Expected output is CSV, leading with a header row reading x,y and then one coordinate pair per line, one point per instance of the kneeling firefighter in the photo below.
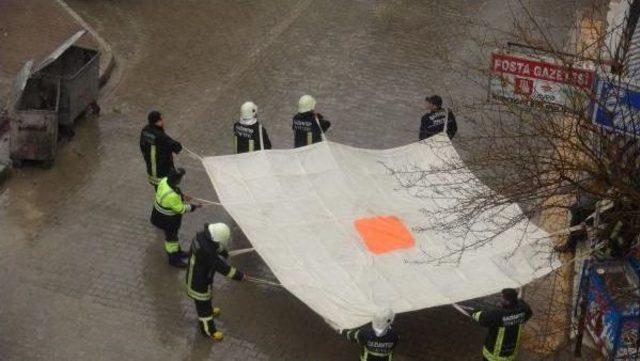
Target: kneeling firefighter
x,y
377,341
208,251
168,208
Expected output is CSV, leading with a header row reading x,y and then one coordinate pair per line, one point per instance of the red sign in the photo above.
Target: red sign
x,y
525,67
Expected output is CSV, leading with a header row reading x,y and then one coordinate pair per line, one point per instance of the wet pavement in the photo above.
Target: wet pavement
x,y
83,272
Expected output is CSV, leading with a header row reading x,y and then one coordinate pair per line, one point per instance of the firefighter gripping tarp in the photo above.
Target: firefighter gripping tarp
x,y
340,232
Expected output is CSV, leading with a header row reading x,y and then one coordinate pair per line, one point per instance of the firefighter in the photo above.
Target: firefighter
x,y
157,149
378,340
247,132
619,227
308,126
208,254
433,121
505,326
169,206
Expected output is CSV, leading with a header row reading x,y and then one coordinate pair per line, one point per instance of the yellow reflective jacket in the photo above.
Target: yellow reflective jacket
x,y
168,201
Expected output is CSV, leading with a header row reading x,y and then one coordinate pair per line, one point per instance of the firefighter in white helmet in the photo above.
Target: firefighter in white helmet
x,y
378,340
248,130
208,254
308,126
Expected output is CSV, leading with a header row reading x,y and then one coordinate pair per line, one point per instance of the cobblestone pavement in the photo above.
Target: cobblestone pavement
x,y
83,272
31,30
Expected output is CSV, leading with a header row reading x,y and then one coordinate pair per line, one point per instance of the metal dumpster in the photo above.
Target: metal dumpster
x,y
77,69
33,116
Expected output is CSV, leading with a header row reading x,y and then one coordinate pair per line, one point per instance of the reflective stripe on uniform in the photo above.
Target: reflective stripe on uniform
x,y
153,180
199,295
352,335
252,145
154,165
476,316
615,233
515,352
499,340
192,262
309,138
205,324
232,272
377,354
616,229
171,247
490,357
166,212
368,352
495,355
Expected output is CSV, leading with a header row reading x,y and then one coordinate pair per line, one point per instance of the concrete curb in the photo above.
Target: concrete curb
x,y
108,61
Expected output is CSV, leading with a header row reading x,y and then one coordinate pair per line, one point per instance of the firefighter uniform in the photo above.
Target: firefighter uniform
x,y
157,149
433,123
168,208
308,128
505,328
207,259
247,138
374,347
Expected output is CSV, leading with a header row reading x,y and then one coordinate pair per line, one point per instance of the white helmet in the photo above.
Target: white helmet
x,y
220,233
306,103
248,110
382,321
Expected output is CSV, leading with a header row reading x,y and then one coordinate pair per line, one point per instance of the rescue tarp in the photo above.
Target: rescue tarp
x,y
348,237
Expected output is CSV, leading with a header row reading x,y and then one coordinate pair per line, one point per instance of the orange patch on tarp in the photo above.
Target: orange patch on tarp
x,y
384,234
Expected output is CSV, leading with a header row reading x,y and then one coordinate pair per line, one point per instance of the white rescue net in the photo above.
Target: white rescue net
x,y
347,237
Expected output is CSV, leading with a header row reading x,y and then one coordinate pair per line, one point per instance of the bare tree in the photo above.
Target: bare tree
x,y
548,157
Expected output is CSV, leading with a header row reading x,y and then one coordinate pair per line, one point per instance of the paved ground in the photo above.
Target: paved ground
x,y
83,273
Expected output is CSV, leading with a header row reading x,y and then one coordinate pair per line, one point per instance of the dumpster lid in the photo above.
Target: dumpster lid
x,y
61,49
20,83
21,79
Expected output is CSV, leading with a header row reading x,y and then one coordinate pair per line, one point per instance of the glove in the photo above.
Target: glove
x,y
195,206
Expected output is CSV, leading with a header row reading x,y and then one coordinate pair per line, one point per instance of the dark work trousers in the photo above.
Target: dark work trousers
x,y
205,311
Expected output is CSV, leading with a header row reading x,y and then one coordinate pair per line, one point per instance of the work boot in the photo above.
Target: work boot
x,y
176,261
208,328
217,336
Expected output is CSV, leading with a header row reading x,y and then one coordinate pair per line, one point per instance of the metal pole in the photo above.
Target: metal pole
x,y
586,282
582,306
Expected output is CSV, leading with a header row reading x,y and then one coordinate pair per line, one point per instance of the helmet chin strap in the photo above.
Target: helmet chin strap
x,y
250,121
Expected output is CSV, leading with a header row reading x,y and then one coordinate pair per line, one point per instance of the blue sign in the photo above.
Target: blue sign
x,y
617,106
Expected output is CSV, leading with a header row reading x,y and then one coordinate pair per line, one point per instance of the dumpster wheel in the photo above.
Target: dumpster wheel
x,y
47,163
